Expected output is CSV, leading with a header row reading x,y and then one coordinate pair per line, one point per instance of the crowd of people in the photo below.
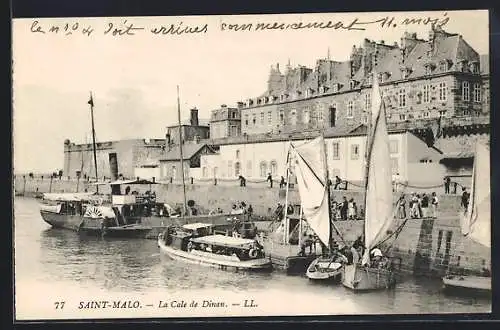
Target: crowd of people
x,y
419,206
345,210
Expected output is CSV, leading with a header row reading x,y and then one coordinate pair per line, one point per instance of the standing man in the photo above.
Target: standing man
x,y
270,179
447,182
344,208
435,203
465,199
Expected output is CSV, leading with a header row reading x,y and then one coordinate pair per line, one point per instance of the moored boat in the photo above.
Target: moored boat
x,y
475,226
377,273
325,269
196,243
314,191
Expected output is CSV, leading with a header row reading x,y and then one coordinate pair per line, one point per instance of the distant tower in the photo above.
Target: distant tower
x,y
275,80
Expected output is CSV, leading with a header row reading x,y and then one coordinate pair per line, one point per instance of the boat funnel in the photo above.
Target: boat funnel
x,y
113,170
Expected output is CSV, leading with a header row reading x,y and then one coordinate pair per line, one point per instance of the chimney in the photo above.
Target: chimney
x,y
113,170
194,117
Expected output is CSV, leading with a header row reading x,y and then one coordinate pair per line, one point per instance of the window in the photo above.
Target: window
x,y
393,146
350,109
426,95
246,120
335,88
237,169
229,167
307,117
174,172
263,169
293,118
428,69
352,84
205,171
442,91
254,120
216,169
249,168
368,101
402,117
237,154
333,115
465,91
477,92
262,117
354,151
321,115
426,114
282,117
443,66
394,165
402,98
269,117
233,114
335,150
274,168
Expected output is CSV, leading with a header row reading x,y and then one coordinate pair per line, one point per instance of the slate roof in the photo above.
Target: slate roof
x,y
446,46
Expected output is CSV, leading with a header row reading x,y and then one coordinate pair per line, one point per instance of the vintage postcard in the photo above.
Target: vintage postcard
x,y
252,165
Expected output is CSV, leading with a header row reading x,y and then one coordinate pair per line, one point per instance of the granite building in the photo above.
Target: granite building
x,y
419,79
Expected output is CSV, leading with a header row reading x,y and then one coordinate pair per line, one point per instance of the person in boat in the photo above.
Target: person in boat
x,y
279,212
308,242
343,208
351,209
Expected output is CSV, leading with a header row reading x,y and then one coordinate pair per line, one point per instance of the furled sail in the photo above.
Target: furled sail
x,y
476,223
310,169
379,215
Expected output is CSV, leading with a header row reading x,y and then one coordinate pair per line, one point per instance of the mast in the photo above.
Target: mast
x,y
286,223
91,102
328,192
180,148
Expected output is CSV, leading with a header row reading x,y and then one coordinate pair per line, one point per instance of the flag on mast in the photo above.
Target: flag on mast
x,y
91,101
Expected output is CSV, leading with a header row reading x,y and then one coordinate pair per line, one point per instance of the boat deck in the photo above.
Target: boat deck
x,y
287,258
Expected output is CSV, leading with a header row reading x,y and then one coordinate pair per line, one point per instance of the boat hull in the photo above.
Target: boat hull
x,y
361,278
65,221
215,261
467,285
317,273
141,227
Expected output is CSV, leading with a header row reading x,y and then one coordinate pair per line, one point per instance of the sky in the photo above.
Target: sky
x,y
133,78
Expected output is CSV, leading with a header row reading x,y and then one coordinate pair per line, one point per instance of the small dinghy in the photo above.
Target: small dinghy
x,y
324,269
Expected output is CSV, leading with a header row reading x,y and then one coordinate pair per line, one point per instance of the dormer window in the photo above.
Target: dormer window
x,y
250,102
335,88
405,72
259,101
353,84
474,67
324,89
444,66
428,68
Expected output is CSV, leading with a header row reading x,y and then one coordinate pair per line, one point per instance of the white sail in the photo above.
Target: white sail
x,y
476,223
310,169
379,214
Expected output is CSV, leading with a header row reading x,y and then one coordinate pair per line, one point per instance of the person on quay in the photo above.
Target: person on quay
x,y
425,205
447,182
434,203
402,206
338,181
344,208
270,180
465,199
350,210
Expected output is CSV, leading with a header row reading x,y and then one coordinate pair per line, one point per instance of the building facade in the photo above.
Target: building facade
x,y
192,131
419,79
225,122
345,158
79,158
170,163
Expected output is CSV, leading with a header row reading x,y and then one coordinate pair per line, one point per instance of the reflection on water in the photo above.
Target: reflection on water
x,y
64,258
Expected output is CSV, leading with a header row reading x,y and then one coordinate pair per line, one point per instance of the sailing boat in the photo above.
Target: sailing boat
x,y
200,243
476,223
379,214
312,180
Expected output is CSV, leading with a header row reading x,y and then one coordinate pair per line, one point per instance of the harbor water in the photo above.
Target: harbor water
x,y
53,264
